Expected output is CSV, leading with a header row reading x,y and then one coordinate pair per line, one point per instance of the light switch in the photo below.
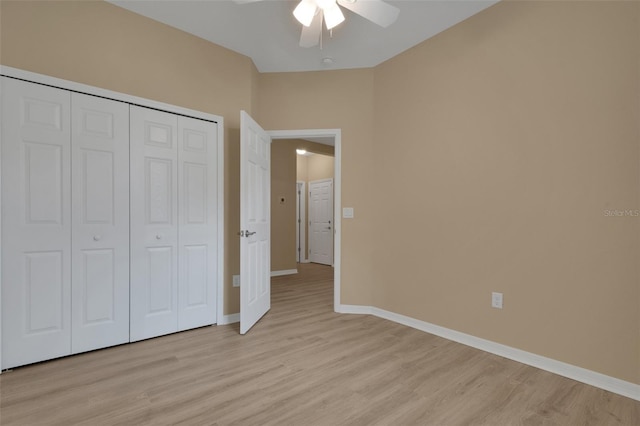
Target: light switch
x,y
347,212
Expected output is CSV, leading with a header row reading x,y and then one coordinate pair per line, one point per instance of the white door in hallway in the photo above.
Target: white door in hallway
x,y
321,221
255,222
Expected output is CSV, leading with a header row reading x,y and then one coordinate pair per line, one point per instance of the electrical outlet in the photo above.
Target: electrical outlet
x,y
496,300
236,280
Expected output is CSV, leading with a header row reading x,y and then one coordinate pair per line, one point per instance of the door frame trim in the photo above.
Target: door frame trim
x,y
301,225
337,193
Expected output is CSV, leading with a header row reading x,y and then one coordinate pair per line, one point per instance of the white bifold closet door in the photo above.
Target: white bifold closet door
x,y
197,222
65,223
154,223
36,223
173,223
100,217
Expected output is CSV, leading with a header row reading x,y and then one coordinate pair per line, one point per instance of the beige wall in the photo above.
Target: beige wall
x,y
499,144
320,167
313,147
99,44
512,134
283,214
315,167
302,168
344,100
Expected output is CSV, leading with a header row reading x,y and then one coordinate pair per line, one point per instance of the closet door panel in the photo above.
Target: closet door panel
x,y
100,232
36,223
197,153
159,282
154,223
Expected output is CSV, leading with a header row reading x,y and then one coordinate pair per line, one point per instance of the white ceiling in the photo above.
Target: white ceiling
x,y
267,32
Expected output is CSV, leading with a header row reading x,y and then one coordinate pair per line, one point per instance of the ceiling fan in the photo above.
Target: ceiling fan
x,y
311,14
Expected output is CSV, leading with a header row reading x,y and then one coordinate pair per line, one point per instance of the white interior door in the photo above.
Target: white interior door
x,y
36,223
255,222
100,215
321,221
198,222
154,223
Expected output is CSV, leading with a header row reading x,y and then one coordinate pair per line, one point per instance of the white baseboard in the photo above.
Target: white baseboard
x,y
285,272
230,319
621,387
355,309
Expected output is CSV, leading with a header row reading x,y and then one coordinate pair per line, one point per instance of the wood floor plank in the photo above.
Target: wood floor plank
x,y
302,364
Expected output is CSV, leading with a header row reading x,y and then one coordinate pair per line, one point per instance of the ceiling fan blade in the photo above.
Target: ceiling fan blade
x,y
376,11
311,35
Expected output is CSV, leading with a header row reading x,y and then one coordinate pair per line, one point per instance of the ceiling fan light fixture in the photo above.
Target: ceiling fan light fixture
x,y
305,11
333,16
313,13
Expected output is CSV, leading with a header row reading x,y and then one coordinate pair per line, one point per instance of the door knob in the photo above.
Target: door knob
x,y
96,238
248,234
158,237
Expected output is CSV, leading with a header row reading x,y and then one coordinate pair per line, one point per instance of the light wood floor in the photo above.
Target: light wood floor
x,y
301,364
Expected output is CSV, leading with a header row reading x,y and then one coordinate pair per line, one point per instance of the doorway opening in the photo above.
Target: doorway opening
x,y
331,137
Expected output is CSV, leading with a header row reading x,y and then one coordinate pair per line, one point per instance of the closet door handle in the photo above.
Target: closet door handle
x,y
158,237
97,238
